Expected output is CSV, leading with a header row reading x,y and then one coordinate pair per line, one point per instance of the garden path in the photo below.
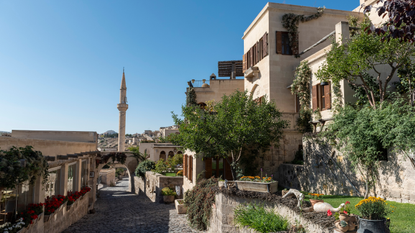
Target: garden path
x,y
121,211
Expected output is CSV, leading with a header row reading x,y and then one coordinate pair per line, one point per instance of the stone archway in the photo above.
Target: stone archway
x,y
171,154
162,155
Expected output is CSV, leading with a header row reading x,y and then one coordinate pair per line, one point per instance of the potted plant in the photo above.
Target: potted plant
x,y
168,195
373,211
317,198
257,184
180,206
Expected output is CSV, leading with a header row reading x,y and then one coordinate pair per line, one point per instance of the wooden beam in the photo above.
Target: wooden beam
x,y
62,157
50,158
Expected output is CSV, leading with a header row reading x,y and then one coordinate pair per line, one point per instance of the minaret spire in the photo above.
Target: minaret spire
x,y
122,107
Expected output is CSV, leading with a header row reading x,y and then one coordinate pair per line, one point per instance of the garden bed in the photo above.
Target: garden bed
x,y
320,219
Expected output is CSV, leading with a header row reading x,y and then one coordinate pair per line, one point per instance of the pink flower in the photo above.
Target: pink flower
x,y
329,213
344,212
347,202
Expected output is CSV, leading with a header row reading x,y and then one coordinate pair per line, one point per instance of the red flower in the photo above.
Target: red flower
x,y
329,213
347,202
344,212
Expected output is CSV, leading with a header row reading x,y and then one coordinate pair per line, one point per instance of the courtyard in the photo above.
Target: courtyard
x,y
121,211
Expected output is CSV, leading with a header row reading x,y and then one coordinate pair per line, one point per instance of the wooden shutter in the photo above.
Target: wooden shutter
x,y
244,63
208,167
190,175
265,45
315,95
258,54
228,171
278,39
327,98
185,165
251,51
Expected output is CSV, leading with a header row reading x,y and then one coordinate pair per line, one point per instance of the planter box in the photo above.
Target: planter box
x,y
271,187
181,208
168,199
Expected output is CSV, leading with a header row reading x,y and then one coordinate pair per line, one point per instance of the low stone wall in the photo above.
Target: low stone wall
x,y
107,176
61,219
328,171
65,217
153,183
222,219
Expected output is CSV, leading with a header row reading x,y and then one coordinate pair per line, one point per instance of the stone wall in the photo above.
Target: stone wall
x,y
48,147
107,176
153,183
222,219
61,219
73,136
328,171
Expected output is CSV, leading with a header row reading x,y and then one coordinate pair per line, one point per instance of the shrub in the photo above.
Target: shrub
x,y
374,208
199,201
177,159
161,166
144,166
256,217
166,191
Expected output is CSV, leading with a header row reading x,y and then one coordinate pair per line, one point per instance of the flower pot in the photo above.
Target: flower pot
x,y
372,226
168,199
314,201
344,217
339,227
181,208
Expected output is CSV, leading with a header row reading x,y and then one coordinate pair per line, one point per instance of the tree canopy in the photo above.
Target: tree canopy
x,y
223,129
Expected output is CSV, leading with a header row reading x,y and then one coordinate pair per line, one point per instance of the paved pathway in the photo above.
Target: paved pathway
x,y
120,211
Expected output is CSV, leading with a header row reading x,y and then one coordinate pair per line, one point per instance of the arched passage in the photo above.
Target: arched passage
x,y
163,155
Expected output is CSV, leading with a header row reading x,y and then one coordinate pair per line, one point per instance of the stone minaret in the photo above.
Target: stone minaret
x,y
122,107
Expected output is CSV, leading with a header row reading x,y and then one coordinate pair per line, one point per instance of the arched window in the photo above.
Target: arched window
x,y
171,154
163,155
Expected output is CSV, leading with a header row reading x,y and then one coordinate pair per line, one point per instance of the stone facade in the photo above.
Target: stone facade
x,y
222,219
328,171
155,150
153,183
217,89
107,176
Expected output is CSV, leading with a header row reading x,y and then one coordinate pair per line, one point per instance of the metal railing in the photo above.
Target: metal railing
x,y
199,83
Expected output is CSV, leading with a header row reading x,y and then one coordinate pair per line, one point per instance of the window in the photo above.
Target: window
x,y
256,53
321,97
71,177
283,43
217,167
84,175
53,183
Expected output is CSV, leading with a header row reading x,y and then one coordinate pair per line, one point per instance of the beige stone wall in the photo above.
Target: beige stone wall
x,y
154,149
107,176
328,171
72,136
153,183
373,15
198,167
217,89
48,147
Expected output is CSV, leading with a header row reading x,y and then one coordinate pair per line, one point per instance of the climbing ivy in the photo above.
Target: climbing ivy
x,y
290,22
301,87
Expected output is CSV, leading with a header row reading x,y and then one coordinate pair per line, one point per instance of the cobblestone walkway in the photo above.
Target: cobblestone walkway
x,y
120,211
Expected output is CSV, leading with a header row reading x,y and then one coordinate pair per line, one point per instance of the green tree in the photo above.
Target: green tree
x,y
137,154
226,128
364,133
366,54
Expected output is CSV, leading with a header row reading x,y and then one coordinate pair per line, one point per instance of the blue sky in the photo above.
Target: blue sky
x,y
61,61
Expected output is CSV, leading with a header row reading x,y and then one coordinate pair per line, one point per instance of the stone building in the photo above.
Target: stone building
x,y
157,151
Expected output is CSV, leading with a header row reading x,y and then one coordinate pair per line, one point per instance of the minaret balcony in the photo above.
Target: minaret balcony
x,y
122,107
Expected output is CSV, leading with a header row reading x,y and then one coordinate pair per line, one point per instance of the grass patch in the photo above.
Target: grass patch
x,y
402,220
170,174
258,218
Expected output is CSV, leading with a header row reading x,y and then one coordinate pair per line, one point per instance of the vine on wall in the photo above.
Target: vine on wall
x,y
301,87
290,22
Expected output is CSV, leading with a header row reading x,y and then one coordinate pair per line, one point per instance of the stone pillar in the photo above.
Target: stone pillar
x,y
64,179
78,175
121,131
